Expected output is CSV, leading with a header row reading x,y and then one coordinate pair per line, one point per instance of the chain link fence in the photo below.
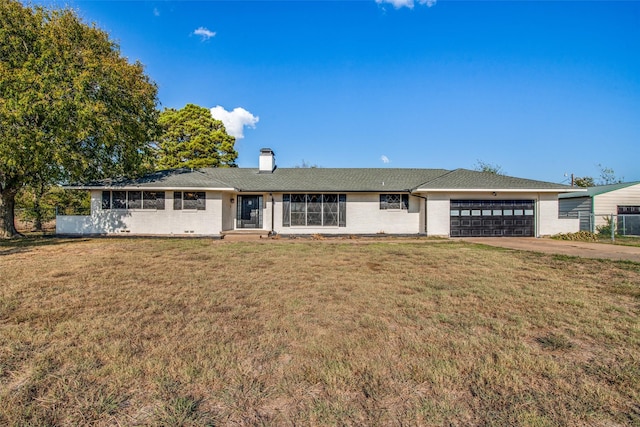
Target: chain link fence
x,y
624,225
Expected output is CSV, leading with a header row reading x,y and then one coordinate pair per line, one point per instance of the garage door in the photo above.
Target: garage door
x,y
492,218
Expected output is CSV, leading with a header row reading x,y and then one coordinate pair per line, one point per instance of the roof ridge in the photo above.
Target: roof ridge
x,y
438,177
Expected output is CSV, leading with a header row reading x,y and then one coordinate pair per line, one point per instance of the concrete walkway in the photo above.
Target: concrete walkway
x,y
562,247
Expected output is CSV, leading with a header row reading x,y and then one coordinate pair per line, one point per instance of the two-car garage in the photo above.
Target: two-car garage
x,y
492,218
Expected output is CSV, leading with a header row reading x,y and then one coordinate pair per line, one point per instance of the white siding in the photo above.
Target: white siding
x,y
146,222
607,203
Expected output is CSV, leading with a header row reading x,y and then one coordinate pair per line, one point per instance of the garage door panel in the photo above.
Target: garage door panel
x,y
492,218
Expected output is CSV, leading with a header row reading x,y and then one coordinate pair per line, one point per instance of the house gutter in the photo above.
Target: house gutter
x,y
499,190
146,188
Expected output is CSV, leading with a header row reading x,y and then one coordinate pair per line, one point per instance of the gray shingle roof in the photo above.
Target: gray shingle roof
x,y
459,179
327,180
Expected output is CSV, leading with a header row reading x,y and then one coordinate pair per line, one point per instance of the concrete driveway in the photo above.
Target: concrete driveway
x,y
562,247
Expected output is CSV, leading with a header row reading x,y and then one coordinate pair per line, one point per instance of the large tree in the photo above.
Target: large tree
x,y
192,138
607,176
584,181
71,107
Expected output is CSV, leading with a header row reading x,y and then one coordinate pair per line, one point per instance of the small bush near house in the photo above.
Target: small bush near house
x,y
605,229
582,236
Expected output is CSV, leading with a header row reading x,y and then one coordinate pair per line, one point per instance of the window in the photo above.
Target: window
x,y
119,200
628,210
394,201
153,200
106,200
189,200
314,210
133,200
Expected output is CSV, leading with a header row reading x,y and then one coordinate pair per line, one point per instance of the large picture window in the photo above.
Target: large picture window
x,y
314,210
133,200
189,200
394,201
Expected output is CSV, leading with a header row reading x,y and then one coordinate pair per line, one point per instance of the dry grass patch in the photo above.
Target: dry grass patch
x,y
197,332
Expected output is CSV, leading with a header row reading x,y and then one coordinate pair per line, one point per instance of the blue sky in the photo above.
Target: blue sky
x,y
538,88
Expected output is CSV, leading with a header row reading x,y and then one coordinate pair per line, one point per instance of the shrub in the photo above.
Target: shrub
x,y
582,236
605,230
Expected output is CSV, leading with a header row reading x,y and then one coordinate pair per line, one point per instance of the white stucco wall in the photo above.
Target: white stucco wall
x,y
364,216
144,221
438,221
228,210
548,221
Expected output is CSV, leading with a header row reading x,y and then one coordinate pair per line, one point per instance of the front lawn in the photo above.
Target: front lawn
x,y
335,332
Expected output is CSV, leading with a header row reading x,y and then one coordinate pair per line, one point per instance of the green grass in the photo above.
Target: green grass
x,y
622,240
334,332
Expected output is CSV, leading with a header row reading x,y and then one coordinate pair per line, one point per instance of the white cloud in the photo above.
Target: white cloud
x,y
235,121
384,159
407,3
205,33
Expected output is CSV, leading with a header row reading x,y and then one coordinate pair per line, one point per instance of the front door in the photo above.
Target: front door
x,y
249,212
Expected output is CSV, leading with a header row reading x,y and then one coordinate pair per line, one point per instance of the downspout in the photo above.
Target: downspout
x,y
425,209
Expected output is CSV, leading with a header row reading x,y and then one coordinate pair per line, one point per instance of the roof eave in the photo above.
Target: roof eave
x,y
140,187
496,190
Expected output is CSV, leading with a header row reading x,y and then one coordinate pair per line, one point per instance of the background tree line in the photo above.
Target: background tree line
x,y
72,109
607,175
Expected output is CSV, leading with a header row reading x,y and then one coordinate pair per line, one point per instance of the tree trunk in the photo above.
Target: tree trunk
x,y
38,193
37,220
7,211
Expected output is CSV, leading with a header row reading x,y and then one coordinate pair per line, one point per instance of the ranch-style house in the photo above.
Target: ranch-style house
x,y
303,201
